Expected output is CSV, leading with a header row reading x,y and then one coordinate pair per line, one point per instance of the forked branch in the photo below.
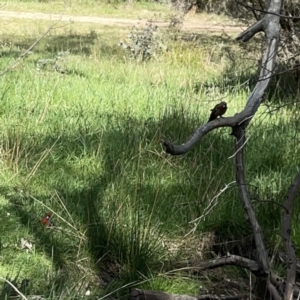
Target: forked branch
x,y
270,25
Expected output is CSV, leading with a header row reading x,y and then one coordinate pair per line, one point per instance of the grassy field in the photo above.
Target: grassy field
x,y
81,125
91,8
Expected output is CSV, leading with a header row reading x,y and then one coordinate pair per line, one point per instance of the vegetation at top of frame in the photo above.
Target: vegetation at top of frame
x,y
81,125
140,9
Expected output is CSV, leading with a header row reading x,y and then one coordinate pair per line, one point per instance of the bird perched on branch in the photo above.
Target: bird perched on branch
x,y
218,111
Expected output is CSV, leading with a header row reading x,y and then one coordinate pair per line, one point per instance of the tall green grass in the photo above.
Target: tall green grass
x,y
85,145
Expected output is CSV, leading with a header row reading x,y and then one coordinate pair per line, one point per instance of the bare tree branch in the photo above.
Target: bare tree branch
x,y
266,12
270,25
279,282
291,260
230,260
278,288
29,49
261,252
251,31
215,297
273,291
137,294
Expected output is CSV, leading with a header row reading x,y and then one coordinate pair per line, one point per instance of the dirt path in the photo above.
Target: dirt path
x,y
187,25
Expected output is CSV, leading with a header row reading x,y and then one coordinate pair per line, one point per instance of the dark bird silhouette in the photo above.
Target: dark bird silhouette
x,y
218,111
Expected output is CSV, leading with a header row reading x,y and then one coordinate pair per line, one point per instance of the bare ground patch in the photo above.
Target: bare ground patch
x,y
194,25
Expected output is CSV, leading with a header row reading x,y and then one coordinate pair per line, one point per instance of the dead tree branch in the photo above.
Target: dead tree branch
x,y
291,260
273,291
257,9
270,25
137,294
231,260
278,288
23,55
261,252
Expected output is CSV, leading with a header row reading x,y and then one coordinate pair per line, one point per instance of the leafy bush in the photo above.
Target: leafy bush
x,y
145,44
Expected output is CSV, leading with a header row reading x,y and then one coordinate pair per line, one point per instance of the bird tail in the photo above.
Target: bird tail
x,y
212,117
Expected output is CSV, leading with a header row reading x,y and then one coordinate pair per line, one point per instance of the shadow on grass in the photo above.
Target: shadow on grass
x,y
116,224
75,43
137,196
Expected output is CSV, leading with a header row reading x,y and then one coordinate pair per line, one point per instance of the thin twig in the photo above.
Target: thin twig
x,y
14,287
29,49
267,12
208,209
234,154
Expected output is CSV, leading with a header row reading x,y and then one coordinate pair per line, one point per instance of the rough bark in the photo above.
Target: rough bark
x,y
275,286
229,260
270,25
291,260
261,253
137,294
